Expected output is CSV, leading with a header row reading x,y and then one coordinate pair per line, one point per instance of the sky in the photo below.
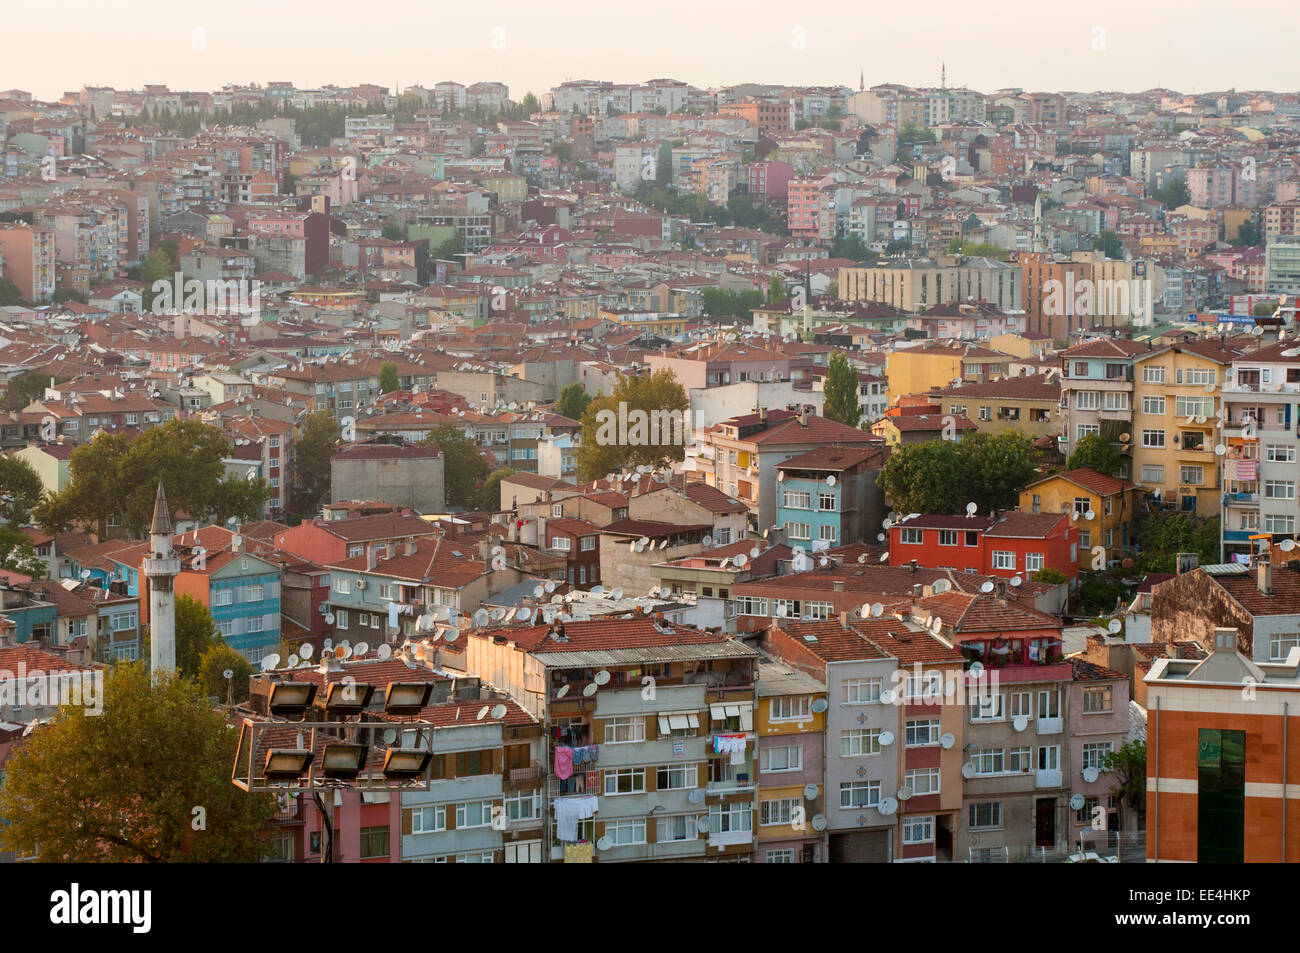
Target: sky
x,y
52,46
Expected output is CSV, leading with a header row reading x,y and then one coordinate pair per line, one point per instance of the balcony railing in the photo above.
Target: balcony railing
x,y
1047,778
730,838
1241,499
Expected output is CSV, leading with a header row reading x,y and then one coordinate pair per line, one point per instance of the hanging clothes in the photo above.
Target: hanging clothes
x,y
578,755
569,811
593,752
1246,471
593,781
563,762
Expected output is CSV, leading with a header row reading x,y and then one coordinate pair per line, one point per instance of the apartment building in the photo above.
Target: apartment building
x,y
1219,769
829,496
917,284
1029,404
1260,418
28,255
1097,394
1103,508
1013,544
1176,398
1097,724
650,734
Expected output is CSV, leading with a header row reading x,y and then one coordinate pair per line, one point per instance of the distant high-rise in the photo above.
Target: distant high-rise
x,y
161,568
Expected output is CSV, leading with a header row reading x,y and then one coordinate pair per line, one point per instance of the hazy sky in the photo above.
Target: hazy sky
x,y
49,46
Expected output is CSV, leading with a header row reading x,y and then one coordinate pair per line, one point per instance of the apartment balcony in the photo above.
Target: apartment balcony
x,y
1050,726
1288,387
730,838
1047,779
525,778
1124,415
1241,500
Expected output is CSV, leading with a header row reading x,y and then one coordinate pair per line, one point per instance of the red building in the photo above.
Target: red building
x,y
579,543
1015,543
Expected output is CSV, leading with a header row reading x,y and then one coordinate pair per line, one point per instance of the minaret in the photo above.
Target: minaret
x,y
161,568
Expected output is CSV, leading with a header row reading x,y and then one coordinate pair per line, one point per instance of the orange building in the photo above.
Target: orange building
x,y
1219,786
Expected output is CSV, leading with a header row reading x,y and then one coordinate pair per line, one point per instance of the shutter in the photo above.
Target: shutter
x,y
406,821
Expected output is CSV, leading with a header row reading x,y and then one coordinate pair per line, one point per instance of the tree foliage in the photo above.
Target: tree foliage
x,y
312,451
573,401
1094,452
20,490
17,554
942,476
214,662
841,387
1162,536
1129,767
124,785
28,387
734,304
464,469
388,381
604,448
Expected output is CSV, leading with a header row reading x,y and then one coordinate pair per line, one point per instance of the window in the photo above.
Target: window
x,y
588,543
776,812
471,763
1085,541
859,742
1279,646
342,585
676,777
918,830
374,842
223,597
625,781
341,618
1274,453
1153,473
1087,430
826,502
626,833
1198,375
948,537
1049,758
986,413
1088,400
860,691
474,814
426,820
860,794
783,758
1193,406
1153,375
731,817
787,609
1094,754
557,509
988,761
1191,475
911,537
1004,560
752,605
1153,405
122,621
922,780
679,827
1033,562
799,530
1049,703
561,543
987,706
1153,438
624,730
783,855
922,733
1116,400
526,806
1018,759
1020,704
790,708
1096,700
524,852
1279,490
985,815
797,500
828,532
1279,524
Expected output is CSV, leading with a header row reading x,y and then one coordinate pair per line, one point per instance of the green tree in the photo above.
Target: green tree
x,y
449,249
10,293
290,186
157,267
775,290
573,401
1053,577
67,294
1162,536
29,387
1094,452
842,403
17,554
664,166
388,377
649,437
854,248
735,304
922,478
490,496
394,232
219,658
317,442
942,476
20,490
463,467
995,466
122,786
1111,246
1129,767
1247,235
1173,195
196,632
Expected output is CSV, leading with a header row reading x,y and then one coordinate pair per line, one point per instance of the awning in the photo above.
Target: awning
x,y
718,712
664,726
747,718
678,722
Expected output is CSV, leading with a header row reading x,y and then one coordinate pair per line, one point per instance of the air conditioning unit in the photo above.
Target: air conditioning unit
x,y
361,584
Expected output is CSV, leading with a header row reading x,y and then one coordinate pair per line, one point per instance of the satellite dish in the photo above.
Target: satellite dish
x,y
481,618
482,713
809,792
601,677
524,614
886,738
361,648
498,711
905,793
383,652
597,590
877,609
617,593
968,770
819,822
538,591
976,671
1286,545
452,634
85,574
740,561
343,651
865,611
884,557
1090,515
292,662
663,544
936,626
1016,581
270,661
1076,802
1220,450
886,697
780,476
701,822
591,689
1020,722
706,542
497,614
830,480
755,552
819,705
1090,774
639,546
986,586
1114,625
888,806
886,524
695,795
390,735
1074,514
947,739
970,509
228,674
327,644
824,561
564,690
306,650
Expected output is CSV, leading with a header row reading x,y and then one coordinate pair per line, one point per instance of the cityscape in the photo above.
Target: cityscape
x,y
648,472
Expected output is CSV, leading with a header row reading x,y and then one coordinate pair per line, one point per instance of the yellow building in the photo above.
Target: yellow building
x,y
1025,345
791,739
1103,508
1030,404
1176,400
921,370
663,323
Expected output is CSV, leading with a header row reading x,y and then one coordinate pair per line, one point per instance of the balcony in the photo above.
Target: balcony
x,y
1047,778
1245,500
1050,726
730,838
525,778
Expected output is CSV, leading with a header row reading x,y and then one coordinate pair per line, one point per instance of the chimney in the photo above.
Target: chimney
x,y
918,591
844,620
1000,588
1264,574
410,546
372,555
762,414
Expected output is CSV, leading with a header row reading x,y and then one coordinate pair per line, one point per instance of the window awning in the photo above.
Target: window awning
x,y
664,726
747,718
678,722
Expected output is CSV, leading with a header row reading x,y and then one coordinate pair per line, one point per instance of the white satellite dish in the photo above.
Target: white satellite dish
x,y
886,697
818,822
819,705
523,614
482,713
498,711
1220,450
604,844
1114,626
905,793
601,677
361,648
830,480
497,614
780,476
597,590
809,792
886,524
986,586
886,738
888,806
968,770
1090,515
639,546
970,509
936,626
538,592
706,542
941,586
947,739
701,822
740,560
616,593
663,544
306,650
1090,774
975,672
85,574
1076,802
1020,722
481,618
755,552
1016,581
564,690
591,689
327,644
451,635
270,661
292,662
884,557
228,674
877,609
1074,514
1286,545
383,652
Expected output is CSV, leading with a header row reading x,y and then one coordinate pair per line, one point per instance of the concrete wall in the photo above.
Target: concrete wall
x,y
417,482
